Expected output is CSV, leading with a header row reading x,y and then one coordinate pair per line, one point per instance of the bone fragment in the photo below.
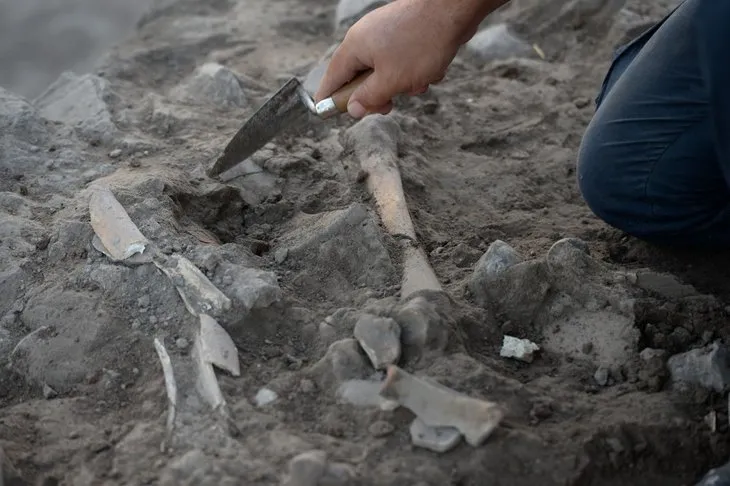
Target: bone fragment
x,y
417,273
439,406
521,349
170,383
217,347
198,293
118,234
136,259
207,381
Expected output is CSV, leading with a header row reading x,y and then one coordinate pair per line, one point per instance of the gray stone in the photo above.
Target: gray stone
x,y
708,367
424,330
81,102
71,239
437,439
380,339
498,42
59,356
49,392
307,469
498,258
250,287
12,279
350,11
668,286
213,84
343,361
280,255
19,119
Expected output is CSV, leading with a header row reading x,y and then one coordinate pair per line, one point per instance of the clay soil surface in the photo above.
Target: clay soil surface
x,y
487,155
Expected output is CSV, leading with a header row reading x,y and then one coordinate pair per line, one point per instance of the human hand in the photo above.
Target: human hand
x,y
408,44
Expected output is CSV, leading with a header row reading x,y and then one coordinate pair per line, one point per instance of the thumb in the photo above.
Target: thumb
x,y
373,95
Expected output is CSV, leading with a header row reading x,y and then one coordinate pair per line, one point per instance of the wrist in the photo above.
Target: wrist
x,y
465,16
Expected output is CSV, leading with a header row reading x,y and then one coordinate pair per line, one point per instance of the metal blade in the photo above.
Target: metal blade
x,y
286,108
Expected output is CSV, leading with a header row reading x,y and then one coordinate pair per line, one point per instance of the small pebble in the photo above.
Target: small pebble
x,y
153,320
381,428
307,386
181,343
115,153
49,392
601,376
265,397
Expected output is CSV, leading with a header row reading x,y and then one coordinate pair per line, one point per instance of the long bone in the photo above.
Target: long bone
x,y
375,142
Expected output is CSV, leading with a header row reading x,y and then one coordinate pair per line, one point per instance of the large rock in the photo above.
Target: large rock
x,y
708,367
18,118
81,102
340,250
66,327
213,84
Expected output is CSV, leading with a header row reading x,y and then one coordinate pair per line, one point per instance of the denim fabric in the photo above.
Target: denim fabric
x,y
655,159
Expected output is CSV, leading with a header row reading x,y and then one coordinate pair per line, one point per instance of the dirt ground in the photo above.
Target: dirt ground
x,y
297,245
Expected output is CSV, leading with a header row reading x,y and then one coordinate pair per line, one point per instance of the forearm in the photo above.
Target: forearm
x,y
468,14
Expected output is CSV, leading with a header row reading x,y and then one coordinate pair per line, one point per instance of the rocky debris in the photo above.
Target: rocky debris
x,y
217,347
254,183
339,247
513,287
708,367
265,396
379,337
213,84
119,236
520,349
439,406
348,12
424,324
343,361
437,439
498,42
198,293
251,288
82,102
312,468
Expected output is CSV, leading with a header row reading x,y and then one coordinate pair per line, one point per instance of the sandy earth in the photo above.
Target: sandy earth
x,y
297,245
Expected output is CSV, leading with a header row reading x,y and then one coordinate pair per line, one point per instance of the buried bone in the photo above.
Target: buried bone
x,y
118,235
170,383
217,347
198,293
375,143
439,406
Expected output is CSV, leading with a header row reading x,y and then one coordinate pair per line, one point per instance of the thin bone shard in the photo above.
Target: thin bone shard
x,y
119,235
439,406
198,293
170,383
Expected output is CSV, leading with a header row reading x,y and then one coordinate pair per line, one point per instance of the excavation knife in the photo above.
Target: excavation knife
x,y
289,107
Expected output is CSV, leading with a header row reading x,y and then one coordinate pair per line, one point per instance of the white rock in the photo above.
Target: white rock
x,y
521,349
437,439
498,42
265,396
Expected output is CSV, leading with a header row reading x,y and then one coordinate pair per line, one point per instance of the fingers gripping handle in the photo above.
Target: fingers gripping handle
x,y
337,102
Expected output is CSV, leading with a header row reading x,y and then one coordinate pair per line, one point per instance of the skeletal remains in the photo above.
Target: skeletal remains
x,y
442,415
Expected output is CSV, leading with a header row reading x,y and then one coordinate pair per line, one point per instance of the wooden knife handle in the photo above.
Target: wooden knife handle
x,y
342,96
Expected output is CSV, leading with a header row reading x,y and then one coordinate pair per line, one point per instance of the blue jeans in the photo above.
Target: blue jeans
x,y
655,159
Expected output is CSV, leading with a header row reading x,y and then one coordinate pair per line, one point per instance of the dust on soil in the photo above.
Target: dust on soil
x,y
487,155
